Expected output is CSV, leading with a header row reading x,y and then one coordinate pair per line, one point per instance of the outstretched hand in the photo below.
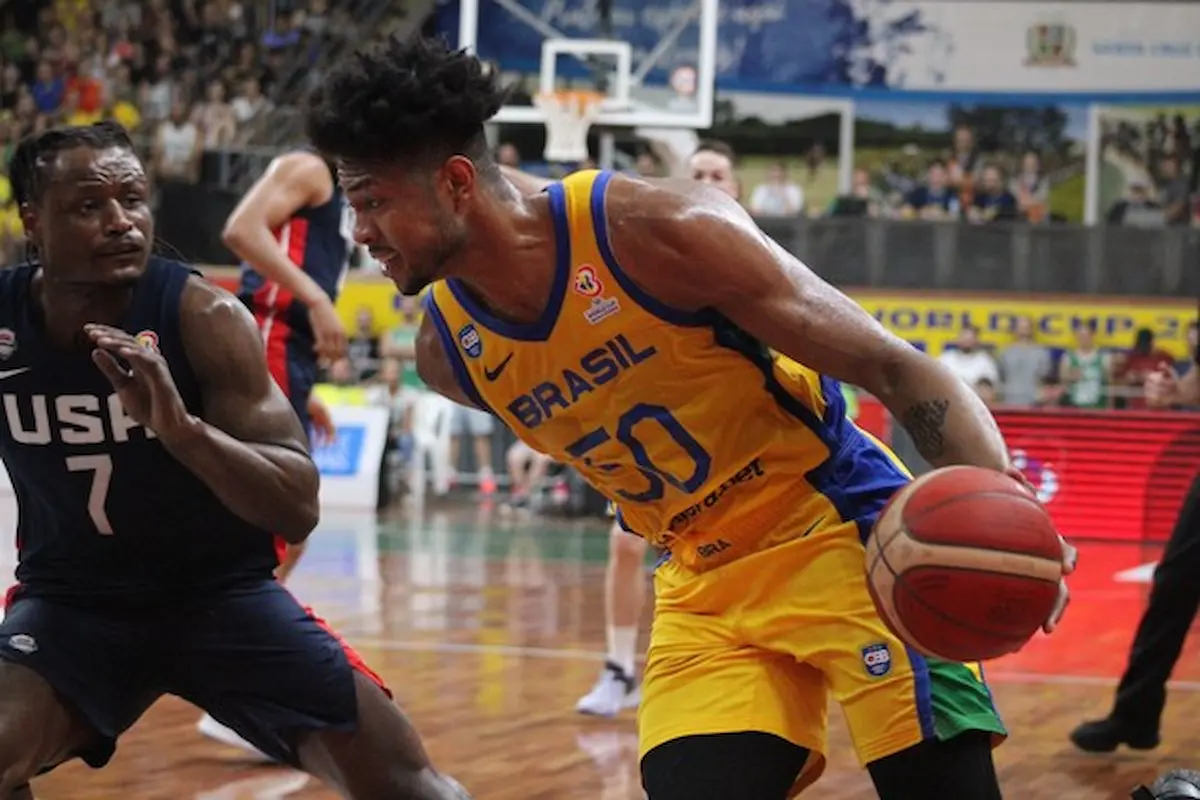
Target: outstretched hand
x,y
140,375
1070,557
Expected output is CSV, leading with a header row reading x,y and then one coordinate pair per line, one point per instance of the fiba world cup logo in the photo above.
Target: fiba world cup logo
x,y
1039,473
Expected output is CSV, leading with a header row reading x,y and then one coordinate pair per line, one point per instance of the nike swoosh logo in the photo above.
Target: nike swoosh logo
x,y
492,374
12,373
812,527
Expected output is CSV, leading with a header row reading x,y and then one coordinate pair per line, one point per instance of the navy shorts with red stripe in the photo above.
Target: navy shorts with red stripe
x,y
250,655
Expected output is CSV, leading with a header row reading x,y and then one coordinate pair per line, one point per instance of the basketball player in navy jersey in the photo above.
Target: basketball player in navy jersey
x,y
290,232
153,459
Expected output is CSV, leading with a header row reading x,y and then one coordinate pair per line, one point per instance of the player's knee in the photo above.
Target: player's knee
x,y
957,767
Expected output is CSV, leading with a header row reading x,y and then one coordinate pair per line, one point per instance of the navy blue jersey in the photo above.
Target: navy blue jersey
x,y
318,240
104,510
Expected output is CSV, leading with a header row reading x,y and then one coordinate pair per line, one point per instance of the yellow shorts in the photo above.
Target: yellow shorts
x,y
759,644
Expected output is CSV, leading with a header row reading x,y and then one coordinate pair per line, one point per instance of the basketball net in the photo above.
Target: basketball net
x,y
569,116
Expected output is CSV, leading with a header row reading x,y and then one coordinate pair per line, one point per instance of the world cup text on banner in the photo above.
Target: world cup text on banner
x,y
928,321
932,323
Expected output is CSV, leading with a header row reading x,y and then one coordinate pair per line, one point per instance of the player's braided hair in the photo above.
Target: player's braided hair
x,y
404,101
35,152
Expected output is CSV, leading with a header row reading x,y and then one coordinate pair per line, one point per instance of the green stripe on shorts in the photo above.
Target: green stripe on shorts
x,y
961,702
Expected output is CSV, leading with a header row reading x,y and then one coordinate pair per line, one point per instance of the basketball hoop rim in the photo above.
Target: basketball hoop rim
x,y
589,99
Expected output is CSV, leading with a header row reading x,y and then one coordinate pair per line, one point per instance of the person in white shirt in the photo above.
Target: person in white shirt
x,y
969,361
777,196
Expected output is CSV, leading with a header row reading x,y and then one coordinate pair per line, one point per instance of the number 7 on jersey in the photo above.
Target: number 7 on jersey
x,y
101,467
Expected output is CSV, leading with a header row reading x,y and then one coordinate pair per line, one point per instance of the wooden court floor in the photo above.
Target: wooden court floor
x,y
489,627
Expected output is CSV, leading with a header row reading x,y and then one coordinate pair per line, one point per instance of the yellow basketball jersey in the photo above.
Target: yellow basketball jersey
x,y
710,446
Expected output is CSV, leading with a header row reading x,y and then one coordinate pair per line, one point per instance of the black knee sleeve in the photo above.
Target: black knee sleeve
x,y
956,768
723,766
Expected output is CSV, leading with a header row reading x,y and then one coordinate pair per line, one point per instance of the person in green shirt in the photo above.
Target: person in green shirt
x,y
1086,370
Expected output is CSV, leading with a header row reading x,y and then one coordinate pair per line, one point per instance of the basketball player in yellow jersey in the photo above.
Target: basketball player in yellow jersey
x,y
622,326
624,578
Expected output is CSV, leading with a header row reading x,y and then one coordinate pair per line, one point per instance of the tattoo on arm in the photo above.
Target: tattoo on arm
x,y
926,423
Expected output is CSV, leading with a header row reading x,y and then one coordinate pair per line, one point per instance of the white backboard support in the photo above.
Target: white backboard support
x,y
654,59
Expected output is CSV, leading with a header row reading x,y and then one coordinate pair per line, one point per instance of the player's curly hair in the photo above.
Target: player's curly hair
x,y
404,100
34,153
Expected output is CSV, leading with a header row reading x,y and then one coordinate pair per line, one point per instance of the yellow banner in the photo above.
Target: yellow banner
x,y
930,323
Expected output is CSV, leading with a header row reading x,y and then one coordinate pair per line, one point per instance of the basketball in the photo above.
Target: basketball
x,y
964,564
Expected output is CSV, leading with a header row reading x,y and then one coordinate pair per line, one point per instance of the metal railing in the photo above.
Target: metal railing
x,y
1068,259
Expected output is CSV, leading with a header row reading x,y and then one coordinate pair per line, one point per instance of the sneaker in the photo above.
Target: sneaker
x,y
613,692
1106,735
218,732
487,484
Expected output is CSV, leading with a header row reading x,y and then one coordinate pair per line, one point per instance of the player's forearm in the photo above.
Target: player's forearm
x,y
261,251
948,422
271,487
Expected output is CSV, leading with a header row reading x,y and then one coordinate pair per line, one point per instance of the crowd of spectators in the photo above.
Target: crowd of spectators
x,y
185,77
1027,373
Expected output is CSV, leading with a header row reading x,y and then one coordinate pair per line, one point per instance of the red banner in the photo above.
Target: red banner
x,y
1114,475
1110,475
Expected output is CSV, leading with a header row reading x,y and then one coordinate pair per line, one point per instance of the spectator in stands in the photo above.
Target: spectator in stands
x,y
362,348
1175,192
1137,208
1192,339
214,117
475,426
864,200
48,88
777,196
1134,366
11,87
647,165
970,361
249,102
1024,367
526,471
507,155
388,392
177,149
1086,370
992,201
964,163
1031,188
933,199
156,94
341,373
399,342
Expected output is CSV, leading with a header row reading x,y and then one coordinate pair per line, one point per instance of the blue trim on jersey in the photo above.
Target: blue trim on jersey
x,y
858,478
923,693
676,316
538,331
461,374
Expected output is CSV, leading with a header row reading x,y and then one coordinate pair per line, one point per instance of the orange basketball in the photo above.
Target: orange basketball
x,y
964,564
